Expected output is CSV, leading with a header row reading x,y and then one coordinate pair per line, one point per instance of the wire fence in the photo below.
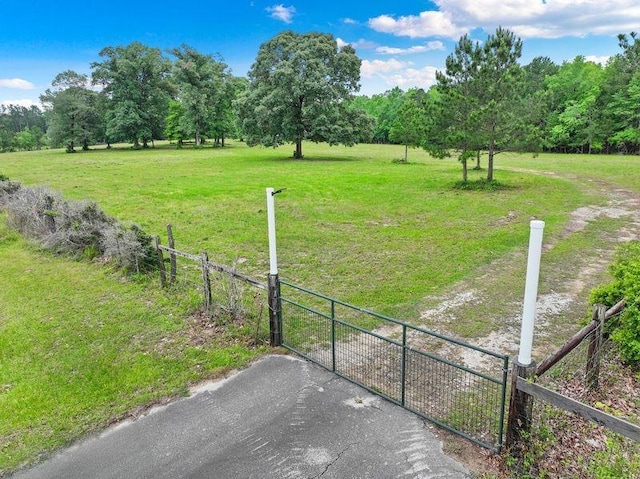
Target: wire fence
x,y
563,444
219,292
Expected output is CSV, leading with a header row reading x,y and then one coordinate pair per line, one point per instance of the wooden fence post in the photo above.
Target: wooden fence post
x,y
163,271
595,345
204,261
49,220
275,311
172,245
520,406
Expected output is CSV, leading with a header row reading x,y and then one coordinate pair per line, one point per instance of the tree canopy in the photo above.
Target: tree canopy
x,y
299,89
136,80
74,112
478,95
200,82
302,87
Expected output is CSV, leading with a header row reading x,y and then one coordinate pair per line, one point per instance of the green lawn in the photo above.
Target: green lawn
x,y
351,223
80,346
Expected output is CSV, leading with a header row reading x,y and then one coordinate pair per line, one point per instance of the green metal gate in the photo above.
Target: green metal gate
x,y
420,370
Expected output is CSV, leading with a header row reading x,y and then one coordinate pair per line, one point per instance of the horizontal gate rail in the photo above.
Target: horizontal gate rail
x,y
405,369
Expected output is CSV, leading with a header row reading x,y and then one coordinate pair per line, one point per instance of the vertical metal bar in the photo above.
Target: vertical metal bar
x,y
333,336
404,364
503,402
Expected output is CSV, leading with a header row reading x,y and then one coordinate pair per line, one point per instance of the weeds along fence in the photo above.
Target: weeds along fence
x,y
571,416
220,292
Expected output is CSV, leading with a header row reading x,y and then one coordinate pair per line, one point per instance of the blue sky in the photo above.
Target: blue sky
x,y
402,43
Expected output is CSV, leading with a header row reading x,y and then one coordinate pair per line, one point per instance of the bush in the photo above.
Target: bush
x,y
625,331
480,185
78,228
7,188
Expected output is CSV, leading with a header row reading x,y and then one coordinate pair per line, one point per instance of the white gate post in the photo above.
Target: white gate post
x,y
521,403
275,308
531,292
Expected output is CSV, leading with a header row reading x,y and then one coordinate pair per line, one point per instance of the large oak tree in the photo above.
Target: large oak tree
x,y
201,83
299,89
136,80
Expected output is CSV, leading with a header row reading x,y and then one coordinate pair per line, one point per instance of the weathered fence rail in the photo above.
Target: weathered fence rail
x,y
577,338
618,425
524,388
215,266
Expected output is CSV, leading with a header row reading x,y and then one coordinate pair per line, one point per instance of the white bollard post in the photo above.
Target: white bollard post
x,y
531,292
271,220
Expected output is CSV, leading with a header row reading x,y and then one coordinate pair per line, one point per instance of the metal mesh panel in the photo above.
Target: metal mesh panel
x,y
410,366
454,397
307,332
369,360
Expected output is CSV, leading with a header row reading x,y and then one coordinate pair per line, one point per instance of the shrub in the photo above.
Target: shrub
x,y
625,331
78,228
480,185
7,188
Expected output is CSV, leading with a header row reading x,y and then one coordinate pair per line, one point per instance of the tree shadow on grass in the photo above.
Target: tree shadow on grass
x,y
319,159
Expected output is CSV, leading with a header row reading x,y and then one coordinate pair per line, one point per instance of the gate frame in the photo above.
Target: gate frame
x,y
503,382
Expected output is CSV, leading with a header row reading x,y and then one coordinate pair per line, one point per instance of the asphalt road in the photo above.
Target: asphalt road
x,y
280,418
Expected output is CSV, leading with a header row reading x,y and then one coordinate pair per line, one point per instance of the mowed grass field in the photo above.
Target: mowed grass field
x,y
81,346
351,223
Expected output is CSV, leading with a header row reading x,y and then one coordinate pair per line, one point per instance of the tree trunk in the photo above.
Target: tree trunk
x,y
478,160
298,153
465,174
406,152
490,161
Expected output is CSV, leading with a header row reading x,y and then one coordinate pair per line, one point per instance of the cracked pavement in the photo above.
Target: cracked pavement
x,y
280,418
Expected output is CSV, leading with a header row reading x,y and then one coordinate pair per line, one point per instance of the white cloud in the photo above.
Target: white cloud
x,y
430,46
369,68
17,83
280,12
595,59
24,102
527,18
349,21
427,24
412,77
362,43
341,43
394,72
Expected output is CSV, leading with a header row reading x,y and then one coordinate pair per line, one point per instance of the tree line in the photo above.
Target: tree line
x,y
485,102
303,87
